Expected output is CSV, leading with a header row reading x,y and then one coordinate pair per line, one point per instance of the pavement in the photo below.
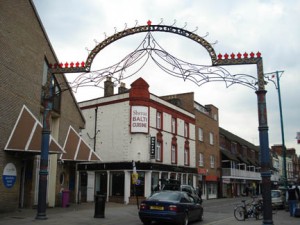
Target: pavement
x,y
115,213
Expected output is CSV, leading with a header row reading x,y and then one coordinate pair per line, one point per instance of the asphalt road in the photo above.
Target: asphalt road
x,y
216,212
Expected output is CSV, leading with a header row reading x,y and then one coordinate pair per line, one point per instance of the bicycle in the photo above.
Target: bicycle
x,y
253,209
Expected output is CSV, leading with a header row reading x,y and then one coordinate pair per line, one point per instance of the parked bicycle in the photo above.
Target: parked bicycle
x,y
254,209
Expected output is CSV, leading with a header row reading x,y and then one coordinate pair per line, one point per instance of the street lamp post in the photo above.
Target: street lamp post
x,y
277,85
43,174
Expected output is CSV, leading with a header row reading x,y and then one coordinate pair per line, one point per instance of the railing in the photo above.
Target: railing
x,y
245,174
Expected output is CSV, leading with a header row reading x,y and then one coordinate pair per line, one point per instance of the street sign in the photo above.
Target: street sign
x,y
9,175
152,147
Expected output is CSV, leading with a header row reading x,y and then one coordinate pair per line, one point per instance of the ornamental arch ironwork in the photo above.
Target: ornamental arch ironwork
x,y
151,28
216,60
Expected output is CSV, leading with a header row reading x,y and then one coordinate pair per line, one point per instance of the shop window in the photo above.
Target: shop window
x,y
155,186
118,179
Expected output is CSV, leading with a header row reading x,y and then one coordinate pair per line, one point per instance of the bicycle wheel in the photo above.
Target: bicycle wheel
x,y
239,213
259,211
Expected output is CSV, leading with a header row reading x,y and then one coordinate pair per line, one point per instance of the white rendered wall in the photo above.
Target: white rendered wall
x,y
115,143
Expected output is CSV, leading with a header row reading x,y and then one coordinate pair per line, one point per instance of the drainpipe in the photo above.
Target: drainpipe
x,y
95,132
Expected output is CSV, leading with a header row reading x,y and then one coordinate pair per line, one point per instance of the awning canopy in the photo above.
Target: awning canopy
x,y
77,149
26,135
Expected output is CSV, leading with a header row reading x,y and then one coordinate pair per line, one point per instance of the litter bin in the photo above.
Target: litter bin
x,y
99,206
65,198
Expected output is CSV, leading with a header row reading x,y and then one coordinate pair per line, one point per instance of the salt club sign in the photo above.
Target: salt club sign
x,y
139,120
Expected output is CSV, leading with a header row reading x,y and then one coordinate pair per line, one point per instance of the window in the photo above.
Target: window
x,y
158,153
55,89
173,125
158,120
212,161
211,138
200,135
201,159
173,154
186,156
186,130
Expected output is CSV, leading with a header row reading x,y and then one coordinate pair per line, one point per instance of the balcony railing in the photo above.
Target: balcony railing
x,y
245,174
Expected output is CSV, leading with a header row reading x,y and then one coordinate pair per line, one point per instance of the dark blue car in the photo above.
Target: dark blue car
x,y
176,207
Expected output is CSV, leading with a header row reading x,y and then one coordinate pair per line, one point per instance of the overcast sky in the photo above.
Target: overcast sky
x,y
74,27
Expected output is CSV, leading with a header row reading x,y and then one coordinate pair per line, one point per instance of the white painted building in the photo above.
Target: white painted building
x,y
136,126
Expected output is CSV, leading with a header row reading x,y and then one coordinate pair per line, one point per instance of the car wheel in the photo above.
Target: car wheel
x,y
200,217
185,220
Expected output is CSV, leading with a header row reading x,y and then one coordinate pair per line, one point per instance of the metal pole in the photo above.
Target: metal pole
x,y
43,174
264,146
282,131
277,86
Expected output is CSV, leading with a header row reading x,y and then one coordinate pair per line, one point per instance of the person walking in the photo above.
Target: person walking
x,y
292,198
199,189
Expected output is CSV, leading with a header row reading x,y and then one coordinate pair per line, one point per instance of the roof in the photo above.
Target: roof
x,y
229,155
235,138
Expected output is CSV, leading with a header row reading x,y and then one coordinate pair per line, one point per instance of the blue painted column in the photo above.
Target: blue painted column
x,y
43,174
264,146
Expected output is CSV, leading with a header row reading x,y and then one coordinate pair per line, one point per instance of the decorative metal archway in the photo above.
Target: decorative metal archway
x,y
258,84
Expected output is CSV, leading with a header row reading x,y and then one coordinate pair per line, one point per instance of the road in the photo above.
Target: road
x,y
216,212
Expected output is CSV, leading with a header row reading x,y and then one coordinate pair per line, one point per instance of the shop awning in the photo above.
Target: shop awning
x,y
26,135
76,149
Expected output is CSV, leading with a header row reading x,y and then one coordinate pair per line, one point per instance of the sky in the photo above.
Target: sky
x,y
75,27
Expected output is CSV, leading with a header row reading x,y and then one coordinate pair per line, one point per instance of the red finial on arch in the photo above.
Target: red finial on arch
x,y
258,54
149,22
220,56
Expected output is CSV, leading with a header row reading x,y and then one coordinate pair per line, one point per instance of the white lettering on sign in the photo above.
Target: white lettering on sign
x,y
139,119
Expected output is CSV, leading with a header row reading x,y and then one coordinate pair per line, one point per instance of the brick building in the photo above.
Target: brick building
x,y
207,141
25,52
240,166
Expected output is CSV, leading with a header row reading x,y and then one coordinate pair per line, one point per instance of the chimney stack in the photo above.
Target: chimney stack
x,y
122,89
108,87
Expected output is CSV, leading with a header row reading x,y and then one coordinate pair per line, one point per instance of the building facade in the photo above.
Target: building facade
x,y
25,53
240,166
207,142
135,127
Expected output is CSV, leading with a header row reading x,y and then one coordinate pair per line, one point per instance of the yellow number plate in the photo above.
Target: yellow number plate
x,y
157,207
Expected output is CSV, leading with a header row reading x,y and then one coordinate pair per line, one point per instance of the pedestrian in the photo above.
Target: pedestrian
x,y
200,190
292,198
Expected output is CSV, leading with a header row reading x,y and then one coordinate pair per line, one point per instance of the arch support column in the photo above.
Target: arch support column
x,y
264,147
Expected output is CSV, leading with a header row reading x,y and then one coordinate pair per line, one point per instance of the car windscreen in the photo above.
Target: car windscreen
x,y
166,196
275,194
